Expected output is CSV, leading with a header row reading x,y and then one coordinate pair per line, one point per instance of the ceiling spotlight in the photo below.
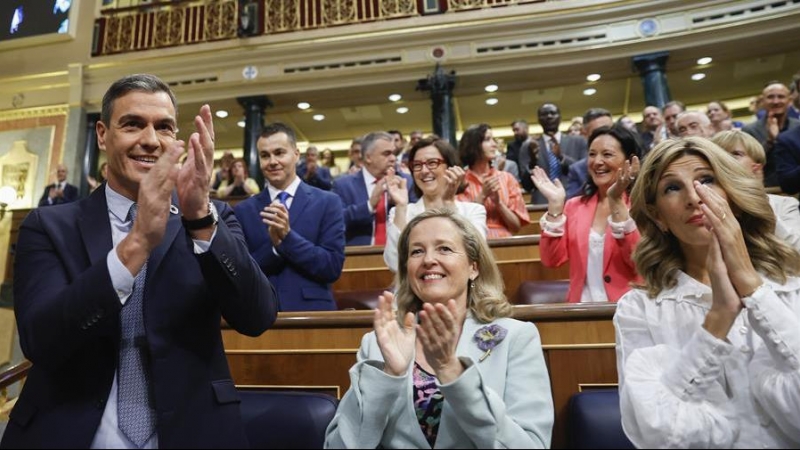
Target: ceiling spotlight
x,y
319,117
304,105
491,88
590,91
402,110
395,97
593,77
222,114
704,61
241,123
491,101
698,76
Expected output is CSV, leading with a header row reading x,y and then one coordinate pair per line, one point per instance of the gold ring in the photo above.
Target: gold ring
x,y
724,215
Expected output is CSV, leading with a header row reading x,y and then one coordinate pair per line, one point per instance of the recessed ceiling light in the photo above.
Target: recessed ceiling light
x,y
319,117
491,88
593,77
304,105
395,97
241,123
222,114
698,76
402,110
704,61
590,91
491,101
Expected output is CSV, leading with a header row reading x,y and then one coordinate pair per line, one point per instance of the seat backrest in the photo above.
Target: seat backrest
x,y
594,420
281,419
541,292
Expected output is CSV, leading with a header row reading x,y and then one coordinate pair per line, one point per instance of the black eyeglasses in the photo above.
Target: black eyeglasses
x,y
432,164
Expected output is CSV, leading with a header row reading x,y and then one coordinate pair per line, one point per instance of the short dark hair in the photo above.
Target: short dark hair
x,y
449,154
278,127
594,113
522,121
628,140
140,82
397,132
677,103
470,147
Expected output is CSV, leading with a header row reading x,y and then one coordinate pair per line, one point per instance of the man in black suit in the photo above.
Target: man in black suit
x,y
119,297
554,152
787,157
59,192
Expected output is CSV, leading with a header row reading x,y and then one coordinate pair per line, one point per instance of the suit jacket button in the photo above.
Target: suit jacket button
x,y
607,279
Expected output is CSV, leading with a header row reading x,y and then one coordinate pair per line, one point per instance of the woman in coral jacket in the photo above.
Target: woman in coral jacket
x,y
594,232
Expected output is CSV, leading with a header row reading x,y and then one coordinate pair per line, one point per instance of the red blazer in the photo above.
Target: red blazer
x,y
618,268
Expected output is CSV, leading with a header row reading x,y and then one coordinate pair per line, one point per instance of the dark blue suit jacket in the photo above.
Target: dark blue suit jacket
x,y
577,177
68,315
787,160
311,256
357,217
70,195
322,179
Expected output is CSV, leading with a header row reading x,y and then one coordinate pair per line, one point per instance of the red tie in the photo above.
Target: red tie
x,y
380,219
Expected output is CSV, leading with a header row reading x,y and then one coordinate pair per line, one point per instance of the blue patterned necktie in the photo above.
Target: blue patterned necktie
x,y
137,419
283,196
555,166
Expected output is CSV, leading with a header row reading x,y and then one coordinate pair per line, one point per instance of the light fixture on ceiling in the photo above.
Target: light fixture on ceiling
x,y
402,110
590,91
705,60
241,123
491,101
319,117
304,105
395,97
222,113
491,88
593,77
698,76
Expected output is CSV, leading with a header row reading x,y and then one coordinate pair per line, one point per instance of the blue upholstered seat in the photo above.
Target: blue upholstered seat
x,y
280,419
594,420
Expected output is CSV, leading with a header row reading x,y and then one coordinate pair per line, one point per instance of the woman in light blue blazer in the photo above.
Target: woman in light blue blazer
x,y
449,368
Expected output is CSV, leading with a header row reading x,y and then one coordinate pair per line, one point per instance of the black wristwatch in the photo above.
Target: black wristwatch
x,y
211,219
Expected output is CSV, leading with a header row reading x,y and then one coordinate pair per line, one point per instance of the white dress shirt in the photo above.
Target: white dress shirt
x,y
788,219
681,387
594,290
291,190
108,434
473,212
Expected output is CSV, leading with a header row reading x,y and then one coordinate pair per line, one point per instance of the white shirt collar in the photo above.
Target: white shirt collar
x,y
118,204
291,189
368,178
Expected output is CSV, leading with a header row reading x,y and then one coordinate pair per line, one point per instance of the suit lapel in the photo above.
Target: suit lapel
x,y
584,229
301,199
95,227
173,226
361,187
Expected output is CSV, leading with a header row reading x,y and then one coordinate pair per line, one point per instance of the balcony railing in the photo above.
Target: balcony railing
x,y
134,25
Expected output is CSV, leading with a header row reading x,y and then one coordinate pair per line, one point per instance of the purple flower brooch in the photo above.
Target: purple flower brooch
x,y
488,337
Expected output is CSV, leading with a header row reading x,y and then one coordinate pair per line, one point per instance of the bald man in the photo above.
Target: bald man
x,y
60,191
694,123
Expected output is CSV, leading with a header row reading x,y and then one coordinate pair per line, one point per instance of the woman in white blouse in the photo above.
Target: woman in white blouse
x,y
708,351
438,176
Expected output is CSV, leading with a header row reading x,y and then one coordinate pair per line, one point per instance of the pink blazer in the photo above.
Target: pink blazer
x,y
618,268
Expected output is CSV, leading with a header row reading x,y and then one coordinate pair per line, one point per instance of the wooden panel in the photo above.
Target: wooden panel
x,y
535,213
8,331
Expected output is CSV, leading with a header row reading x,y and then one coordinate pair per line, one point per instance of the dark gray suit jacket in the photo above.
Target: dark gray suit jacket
x,y
758,130
573,148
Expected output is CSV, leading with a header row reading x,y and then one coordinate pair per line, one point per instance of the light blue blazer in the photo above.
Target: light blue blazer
x,y
502,402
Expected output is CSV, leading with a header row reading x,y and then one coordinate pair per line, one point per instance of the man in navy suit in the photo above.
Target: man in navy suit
x,y
313,173
787,158
59,192
295,232
366,203
119,297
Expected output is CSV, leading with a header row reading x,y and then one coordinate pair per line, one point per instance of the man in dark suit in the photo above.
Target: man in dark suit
x,y
313,173
295,232
366,203
787,157
119,297
555,154
59,192
767,129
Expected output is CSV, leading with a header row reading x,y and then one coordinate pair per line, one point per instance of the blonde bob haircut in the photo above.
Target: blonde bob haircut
x,y
658,255
485,298
731,139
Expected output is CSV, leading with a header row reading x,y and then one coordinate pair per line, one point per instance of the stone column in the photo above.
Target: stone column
x,y
91,153
652,69
440,85
254,108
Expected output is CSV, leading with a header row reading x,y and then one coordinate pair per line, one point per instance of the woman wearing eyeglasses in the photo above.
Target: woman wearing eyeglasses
x,y
497,191
437,178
